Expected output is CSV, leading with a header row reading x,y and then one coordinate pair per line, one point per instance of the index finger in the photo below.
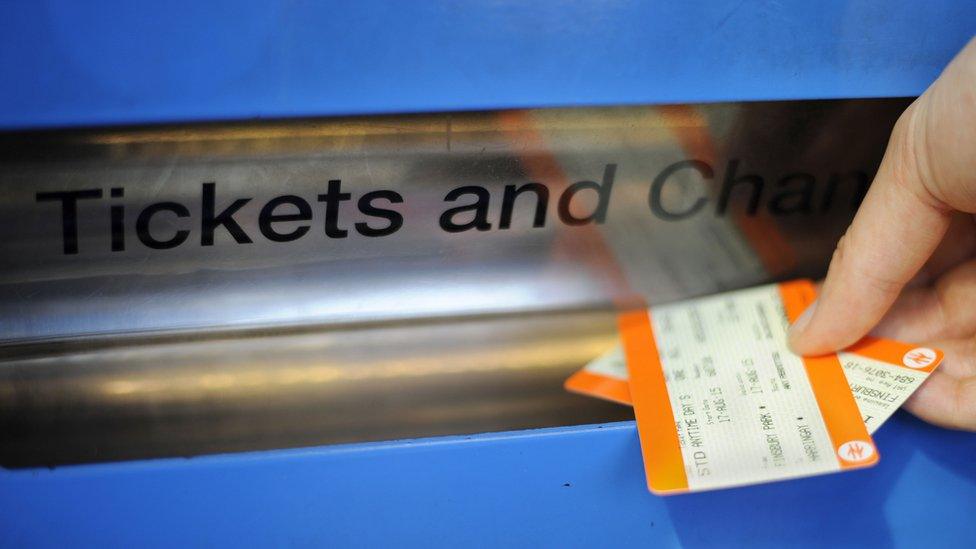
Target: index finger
x,y
927,172
898,226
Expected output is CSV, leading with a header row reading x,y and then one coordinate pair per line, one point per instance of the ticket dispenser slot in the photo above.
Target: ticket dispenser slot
x,y
186,290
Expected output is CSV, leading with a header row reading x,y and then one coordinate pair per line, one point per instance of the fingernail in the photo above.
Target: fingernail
x,y
802,322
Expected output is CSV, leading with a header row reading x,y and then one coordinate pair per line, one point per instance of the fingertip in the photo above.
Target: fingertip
x,y
797,340
802,345
805,344
809,336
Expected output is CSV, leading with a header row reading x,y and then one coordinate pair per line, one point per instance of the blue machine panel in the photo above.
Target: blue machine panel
x,y
581,486
95,63
122,62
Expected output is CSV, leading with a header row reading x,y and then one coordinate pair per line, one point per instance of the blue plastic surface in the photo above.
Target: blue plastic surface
x,y
580,486
70,63
65,62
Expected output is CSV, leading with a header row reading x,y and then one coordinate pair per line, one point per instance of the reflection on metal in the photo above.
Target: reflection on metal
x,y
419,271
117,349
313,386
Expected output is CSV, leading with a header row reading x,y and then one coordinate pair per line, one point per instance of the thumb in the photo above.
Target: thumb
x,y
927,172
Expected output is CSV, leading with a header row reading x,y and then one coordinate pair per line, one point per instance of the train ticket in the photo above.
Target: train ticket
x,y
882,374
603,377
720,400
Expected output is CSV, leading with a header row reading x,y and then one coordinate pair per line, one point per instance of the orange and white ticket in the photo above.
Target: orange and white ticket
x,y
603,377
882,374
720,400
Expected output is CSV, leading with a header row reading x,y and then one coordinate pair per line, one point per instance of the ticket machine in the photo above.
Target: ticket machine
x,y
310,275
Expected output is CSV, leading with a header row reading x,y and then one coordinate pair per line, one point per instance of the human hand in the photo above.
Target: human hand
x,y
906,267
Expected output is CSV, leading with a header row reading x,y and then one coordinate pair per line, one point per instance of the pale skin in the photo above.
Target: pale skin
x,y
906,268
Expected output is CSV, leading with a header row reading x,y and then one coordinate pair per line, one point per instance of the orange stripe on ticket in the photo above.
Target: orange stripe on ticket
x,y
663,464
853,445
896,353
606,387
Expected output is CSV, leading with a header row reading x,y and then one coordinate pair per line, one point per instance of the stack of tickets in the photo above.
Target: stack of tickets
x,y
721,401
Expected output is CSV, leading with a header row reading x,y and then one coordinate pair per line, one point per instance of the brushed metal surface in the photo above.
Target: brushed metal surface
x,y
142,352
421,270
184,397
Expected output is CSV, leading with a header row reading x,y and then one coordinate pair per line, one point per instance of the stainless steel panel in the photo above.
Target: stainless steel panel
x,y
136,352
184,396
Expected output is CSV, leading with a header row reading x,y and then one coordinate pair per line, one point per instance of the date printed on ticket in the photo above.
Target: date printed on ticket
x,y
721,401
